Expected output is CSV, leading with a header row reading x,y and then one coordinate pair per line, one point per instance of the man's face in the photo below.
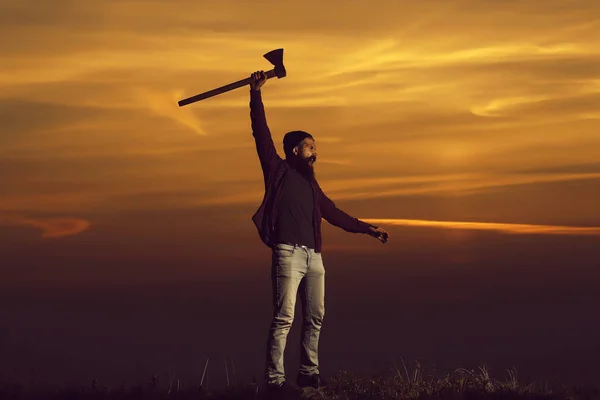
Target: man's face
x,y
306,152
305,157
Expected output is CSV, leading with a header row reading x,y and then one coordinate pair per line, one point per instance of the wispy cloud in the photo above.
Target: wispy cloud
x,y
50,227
450,184
491,226
165,104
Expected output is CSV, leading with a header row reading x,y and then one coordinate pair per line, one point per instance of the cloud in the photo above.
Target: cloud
x,y
516,229
578,168
430,184
50,227
576,106
38,130
165,104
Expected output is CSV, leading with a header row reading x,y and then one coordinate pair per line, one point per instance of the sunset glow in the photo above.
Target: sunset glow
x,y
466,113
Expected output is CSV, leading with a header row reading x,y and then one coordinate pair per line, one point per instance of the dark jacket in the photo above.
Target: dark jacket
x,y
274,169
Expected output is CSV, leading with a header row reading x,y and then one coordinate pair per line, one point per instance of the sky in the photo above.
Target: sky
x,y
467,129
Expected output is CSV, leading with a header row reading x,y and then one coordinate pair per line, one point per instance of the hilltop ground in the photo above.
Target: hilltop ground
x,y
461,384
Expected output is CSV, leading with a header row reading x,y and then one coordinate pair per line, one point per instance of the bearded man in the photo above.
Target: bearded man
x,y
289,222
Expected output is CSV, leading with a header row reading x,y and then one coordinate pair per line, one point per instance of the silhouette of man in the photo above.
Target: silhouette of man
x,y
289,222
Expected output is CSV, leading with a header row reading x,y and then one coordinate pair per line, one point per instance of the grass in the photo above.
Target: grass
x,y
460,384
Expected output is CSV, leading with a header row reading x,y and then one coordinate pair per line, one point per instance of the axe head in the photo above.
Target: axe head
x,y
275,57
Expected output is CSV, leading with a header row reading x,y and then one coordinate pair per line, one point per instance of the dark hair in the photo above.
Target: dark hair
x,y
293,139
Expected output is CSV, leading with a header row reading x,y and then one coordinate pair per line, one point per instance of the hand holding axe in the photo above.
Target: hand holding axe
x,y
275,57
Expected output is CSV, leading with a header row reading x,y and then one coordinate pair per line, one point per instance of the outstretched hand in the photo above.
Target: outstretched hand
x,y
379,233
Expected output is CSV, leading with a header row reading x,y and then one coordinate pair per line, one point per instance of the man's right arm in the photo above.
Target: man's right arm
x,y
262,135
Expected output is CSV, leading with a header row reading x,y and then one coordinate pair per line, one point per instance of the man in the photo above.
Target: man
x,y
289,222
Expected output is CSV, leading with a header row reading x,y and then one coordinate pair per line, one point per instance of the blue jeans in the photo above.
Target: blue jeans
x,y
295,269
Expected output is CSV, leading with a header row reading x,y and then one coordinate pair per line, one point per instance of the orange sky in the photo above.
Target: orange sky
x,y
489,106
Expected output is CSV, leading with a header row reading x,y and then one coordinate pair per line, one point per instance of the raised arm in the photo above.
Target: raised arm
x,y
265,147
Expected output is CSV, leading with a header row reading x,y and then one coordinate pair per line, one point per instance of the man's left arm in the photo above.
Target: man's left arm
x,y
339,218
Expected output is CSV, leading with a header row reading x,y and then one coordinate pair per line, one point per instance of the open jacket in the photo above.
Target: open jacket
x,y
274,171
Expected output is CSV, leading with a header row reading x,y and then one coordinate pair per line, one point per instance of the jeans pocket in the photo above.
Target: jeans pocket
x,y
284,249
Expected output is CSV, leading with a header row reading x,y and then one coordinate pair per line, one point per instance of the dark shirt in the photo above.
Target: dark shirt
x,y
274,170
294,221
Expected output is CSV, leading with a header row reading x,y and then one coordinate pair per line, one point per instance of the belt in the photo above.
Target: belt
x,y
298,245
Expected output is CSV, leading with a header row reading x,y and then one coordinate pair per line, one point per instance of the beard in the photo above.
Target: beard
x,y
304,167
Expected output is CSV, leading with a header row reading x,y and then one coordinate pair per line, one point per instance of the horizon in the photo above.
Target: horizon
x,y
468,130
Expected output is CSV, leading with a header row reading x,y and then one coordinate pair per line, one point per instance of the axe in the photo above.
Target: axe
x,y
275,57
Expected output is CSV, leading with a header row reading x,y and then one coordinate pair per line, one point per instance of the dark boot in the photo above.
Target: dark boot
x,y
310,381
282,391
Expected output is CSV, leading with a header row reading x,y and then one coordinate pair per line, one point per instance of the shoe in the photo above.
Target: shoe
x,y
283,390
315,381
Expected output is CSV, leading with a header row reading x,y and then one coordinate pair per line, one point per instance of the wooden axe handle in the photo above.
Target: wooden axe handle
x,y
270,74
